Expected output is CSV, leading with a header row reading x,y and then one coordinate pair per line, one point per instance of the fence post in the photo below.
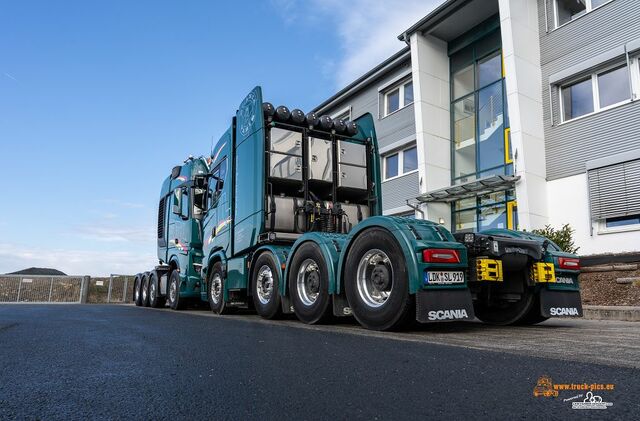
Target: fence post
x,y
19,289
109,292
84,289
126,287
51,289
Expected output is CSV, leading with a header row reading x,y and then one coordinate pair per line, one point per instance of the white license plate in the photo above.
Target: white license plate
x,y
444,278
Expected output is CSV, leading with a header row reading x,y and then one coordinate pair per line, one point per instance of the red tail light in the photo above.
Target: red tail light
x,y
569,263
440,256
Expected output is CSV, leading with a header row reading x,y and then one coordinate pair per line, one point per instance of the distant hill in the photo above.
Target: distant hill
x,y
39,271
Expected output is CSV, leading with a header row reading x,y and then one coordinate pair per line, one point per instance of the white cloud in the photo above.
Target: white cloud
x,y
15,257
367,29
105,233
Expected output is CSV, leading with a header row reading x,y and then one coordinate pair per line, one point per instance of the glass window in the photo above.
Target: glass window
x,y
408,93
467,203
493,217
393,101
184,201
622,221
613,86
391,166
463,82
489,70
410,159
577,99
491,127
464,137
465,221
567,10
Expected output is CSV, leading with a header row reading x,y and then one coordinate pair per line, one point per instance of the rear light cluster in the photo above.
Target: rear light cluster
x,y
570,263
440,256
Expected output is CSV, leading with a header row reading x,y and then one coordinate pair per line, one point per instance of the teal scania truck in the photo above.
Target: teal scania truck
x,y
285,216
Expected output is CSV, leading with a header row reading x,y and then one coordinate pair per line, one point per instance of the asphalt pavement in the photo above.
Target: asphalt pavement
x,y
123,362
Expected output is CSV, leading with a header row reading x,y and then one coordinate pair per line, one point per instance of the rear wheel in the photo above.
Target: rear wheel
x,y
215,290
534,316
376,281
155,300
137,290
309,285
264,286
508,303
175,301
145,290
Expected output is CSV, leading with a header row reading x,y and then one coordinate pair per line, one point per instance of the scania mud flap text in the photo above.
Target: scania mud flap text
x,y
560,303
445,305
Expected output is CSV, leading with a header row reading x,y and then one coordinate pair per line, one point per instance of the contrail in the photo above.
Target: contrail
x,y
10,76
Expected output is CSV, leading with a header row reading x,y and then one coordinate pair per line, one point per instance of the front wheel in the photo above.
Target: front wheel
x,y
309,285
264,286
376,281
175,301
215,290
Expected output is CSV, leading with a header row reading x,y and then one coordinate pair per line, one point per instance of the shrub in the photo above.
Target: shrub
x,y
563,237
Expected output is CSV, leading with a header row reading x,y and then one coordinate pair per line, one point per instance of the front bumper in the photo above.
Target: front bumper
x,y
444,305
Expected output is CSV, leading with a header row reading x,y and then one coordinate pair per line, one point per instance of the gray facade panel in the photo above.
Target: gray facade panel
x,y
395,192
570,145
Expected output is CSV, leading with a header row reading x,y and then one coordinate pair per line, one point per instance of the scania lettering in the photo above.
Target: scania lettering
x,y
448,315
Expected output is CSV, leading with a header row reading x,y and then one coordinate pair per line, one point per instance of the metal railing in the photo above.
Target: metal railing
x,y
65,289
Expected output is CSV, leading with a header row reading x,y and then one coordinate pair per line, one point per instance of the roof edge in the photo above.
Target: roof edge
x,y
437,14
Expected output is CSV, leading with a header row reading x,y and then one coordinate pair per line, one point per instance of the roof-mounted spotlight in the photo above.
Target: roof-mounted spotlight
x,y
269,110
311,120
326,123
297,116
283,113
351,128
339,126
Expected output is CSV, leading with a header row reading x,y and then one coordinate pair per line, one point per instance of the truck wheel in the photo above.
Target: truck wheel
x,y
264,287
137,293
215,290
145,290
534,316
505,312
309,285
376,281
155,300
175,301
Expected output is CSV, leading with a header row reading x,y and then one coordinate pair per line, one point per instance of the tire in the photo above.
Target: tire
x,y
534,316
155,300
264,286
309,285
507,313
137,290
175,301
215,290
145,290
376,281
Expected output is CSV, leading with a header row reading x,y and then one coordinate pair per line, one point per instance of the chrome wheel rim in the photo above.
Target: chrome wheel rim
x,y
308,282
375,278
216,288
136,291
264,284
152,292
173,291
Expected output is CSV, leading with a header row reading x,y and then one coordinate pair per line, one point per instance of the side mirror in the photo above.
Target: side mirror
x,y
219,184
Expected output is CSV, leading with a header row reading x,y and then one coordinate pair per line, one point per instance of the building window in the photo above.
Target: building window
x,y
479,112
568,10
595,92
343,114
493,210
401,162
622,221
397,97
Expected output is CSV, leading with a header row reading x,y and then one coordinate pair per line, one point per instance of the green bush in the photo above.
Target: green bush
x,y
563,237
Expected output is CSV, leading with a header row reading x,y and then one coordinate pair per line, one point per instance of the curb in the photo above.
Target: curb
x,y
624,313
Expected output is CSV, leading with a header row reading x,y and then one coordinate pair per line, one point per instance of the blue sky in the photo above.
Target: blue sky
x,y
98,100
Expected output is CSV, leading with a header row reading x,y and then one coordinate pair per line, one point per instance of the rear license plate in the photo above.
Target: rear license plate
x,y
444,277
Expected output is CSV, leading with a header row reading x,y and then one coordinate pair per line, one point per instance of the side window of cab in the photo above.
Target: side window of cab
x,y
216,183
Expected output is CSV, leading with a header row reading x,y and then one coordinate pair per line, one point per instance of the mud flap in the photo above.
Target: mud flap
x,y
560,303
444,305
